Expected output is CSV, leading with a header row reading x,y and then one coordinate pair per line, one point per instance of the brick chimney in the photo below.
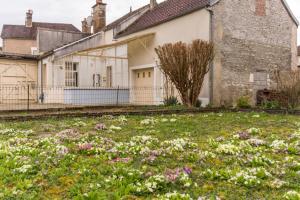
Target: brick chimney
x,y
99,16
28,20
153,3
85,26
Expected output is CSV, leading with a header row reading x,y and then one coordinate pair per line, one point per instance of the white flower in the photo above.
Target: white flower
x,y
149,121
174,195
115,128
279,145
292,195
228,149
173,120
277,183
23,169
253,130
164,120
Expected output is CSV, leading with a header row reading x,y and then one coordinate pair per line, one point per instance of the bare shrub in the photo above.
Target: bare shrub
x,y
288,84
186,65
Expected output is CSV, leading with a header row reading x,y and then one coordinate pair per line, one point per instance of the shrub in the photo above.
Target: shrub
x,y
243,102
288,83
198,103
186,65
171,101
271,105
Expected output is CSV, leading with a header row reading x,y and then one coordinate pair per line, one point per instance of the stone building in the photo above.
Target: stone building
x,y
252,38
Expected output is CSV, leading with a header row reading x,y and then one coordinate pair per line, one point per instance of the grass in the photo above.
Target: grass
x,y
225,155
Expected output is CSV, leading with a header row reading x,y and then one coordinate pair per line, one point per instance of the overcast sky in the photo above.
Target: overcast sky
x,y
73,11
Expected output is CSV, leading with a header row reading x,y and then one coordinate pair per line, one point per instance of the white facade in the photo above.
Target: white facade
x,y
89,65
128,58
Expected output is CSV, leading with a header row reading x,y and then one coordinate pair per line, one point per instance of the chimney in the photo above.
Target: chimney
x,y
85,26
99,16
153,3
28,21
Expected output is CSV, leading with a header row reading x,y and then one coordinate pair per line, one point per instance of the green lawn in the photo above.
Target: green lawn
x,y
201,156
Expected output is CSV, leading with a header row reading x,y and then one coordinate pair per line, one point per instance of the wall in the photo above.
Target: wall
x,y
14,71
52,39
18,46
186,29
89,65
15,76
96,96
247,44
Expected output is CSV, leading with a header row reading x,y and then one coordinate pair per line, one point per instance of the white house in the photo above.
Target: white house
x,y
118,62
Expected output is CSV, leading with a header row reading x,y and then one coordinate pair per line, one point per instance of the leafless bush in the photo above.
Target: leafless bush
x,y
288,84
186,66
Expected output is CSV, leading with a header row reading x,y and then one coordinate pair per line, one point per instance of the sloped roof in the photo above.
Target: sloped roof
x,y
17,56
163,12
115,23
23,32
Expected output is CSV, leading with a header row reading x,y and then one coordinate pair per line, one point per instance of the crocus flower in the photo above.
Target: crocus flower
x,y
187,170
100,127
85,147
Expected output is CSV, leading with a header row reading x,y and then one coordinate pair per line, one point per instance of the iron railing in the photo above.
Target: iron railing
x,y
32,97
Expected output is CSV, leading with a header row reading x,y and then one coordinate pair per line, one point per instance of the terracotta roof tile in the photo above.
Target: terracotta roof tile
x,y
23,32
163,12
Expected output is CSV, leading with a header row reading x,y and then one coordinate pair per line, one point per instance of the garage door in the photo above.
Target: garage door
x,y
15,77
143,86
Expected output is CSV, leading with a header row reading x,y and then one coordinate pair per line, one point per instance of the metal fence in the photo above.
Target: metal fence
x,y
32,97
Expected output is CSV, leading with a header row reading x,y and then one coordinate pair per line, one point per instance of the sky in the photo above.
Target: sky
x,y
73,11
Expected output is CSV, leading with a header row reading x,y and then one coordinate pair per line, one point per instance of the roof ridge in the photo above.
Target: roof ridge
x,y
164,12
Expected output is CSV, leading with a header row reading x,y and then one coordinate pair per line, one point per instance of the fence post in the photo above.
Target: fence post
x,y
28,96
118,95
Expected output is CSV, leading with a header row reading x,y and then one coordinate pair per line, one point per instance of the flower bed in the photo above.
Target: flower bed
x,y
203,156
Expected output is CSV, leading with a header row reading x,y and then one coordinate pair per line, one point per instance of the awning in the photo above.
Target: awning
x,y
117,43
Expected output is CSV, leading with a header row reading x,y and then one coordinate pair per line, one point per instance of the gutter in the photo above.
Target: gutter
x,y
211,71
291,14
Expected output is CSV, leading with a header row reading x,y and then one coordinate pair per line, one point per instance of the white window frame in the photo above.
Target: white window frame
x,y
71,74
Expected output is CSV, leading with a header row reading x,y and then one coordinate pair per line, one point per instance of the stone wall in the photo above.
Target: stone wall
x,y
249,45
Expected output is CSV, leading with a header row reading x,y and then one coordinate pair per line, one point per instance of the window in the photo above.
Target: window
x,y
71,74
97,80
149,74
144,75
138,75
109,77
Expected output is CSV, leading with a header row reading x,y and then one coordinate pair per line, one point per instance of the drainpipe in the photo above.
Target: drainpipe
x,y
42,84
211,71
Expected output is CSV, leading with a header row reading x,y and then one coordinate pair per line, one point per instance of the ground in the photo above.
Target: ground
x,y
200,156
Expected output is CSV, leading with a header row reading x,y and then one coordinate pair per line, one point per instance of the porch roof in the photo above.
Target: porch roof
x,y
117,43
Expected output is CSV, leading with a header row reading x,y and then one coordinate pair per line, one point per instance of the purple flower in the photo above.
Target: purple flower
x,y
100,127
187,170
172,175
150,158
123,160
244,135
85,147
